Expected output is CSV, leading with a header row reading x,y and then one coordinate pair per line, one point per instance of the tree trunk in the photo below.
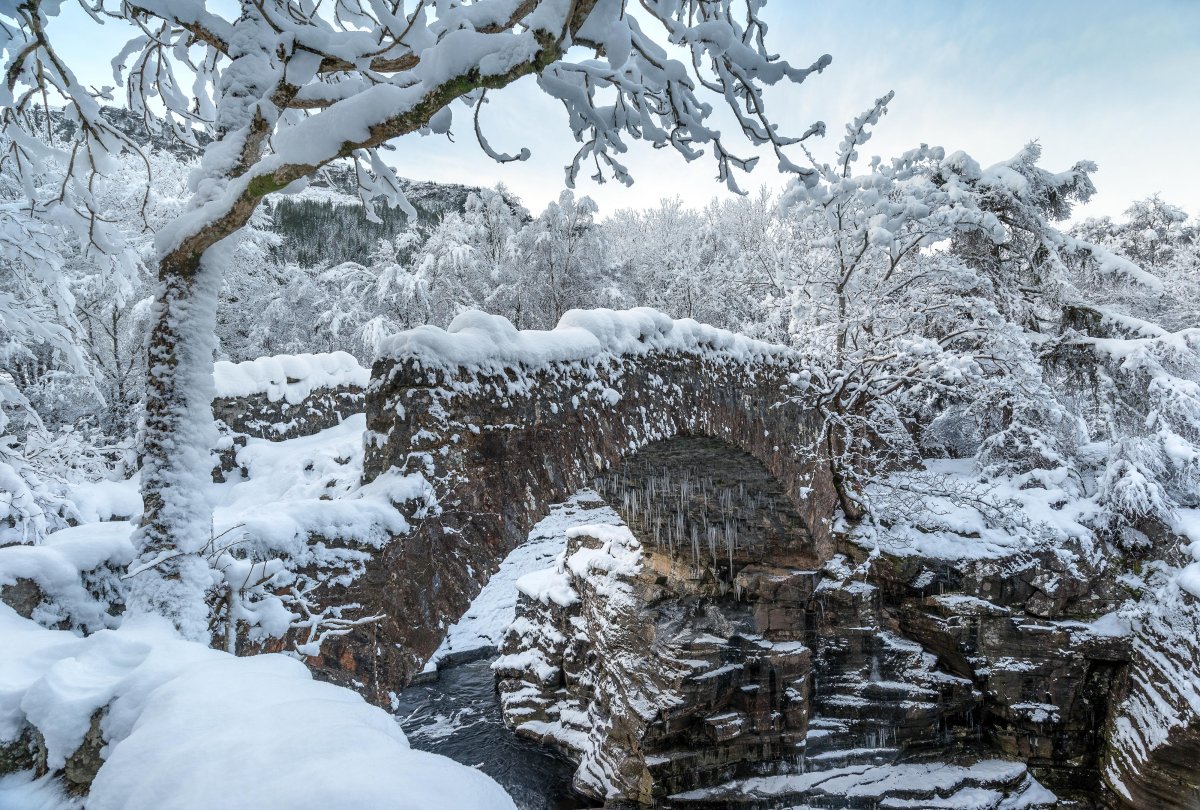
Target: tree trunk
x,y
177,442
842,476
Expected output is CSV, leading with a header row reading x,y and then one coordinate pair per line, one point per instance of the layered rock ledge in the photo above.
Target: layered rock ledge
x,y
708,656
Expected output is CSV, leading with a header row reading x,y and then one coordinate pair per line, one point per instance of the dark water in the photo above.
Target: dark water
x,y
458,716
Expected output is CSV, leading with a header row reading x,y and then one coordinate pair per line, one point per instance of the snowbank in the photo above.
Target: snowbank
x,y
307,486
97,501
186,726
191,727
967,521
294,491
482,627
1188,525
56,567
981,786
21,791
288,377
490,342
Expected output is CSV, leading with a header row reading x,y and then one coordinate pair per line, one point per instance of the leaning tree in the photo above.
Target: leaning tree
x,y
278,89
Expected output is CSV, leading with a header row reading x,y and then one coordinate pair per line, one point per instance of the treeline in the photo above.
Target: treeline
x,y
943,309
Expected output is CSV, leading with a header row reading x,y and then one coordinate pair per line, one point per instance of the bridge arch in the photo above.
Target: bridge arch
x,y
502,423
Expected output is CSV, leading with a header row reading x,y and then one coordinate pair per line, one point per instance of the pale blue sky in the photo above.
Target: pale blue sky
x,y
1114,81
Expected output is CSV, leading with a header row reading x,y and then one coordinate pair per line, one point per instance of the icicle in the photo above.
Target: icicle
x,y
730,543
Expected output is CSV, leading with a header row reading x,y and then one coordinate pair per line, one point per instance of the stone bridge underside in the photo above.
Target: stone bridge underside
x,y
504,423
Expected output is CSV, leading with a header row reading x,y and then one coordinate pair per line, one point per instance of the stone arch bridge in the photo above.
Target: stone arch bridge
x,y
503,423
479,429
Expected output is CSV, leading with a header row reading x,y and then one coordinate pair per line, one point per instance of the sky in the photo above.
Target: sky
x,y
1112,81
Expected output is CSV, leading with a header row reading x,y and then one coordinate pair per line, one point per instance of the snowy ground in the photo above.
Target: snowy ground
x,y
482,627
292,487
951,786
191,727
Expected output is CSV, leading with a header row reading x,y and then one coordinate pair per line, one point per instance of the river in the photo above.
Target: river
x,y
458,716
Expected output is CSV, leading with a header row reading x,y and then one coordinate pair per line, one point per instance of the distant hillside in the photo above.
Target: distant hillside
x,y
322,226
326,225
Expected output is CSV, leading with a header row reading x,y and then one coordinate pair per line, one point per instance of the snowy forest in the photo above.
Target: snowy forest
x,y
321,486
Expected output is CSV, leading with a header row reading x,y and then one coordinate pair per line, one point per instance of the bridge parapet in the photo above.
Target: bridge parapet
x,y
502,423
286,396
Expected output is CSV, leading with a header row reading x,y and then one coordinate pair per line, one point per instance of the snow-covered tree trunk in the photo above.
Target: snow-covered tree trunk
x,y
174,569
177,442
177,547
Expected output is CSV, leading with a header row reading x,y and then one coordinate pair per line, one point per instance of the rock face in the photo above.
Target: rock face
x,y
500,441
694,701
717,655
1153,755
257,415
702,693
28,752
1047,676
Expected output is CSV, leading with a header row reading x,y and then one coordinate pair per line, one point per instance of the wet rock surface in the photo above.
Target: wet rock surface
x,y
1152,757
715,657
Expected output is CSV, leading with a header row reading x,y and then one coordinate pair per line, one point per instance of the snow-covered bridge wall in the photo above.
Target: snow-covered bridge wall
x,y
503,423
286,396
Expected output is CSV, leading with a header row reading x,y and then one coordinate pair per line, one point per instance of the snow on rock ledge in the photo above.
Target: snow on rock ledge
x,y
53,568
481,629
476,339
286,396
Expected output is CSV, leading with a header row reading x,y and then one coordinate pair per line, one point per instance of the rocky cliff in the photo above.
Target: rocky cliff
x,y
709,656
